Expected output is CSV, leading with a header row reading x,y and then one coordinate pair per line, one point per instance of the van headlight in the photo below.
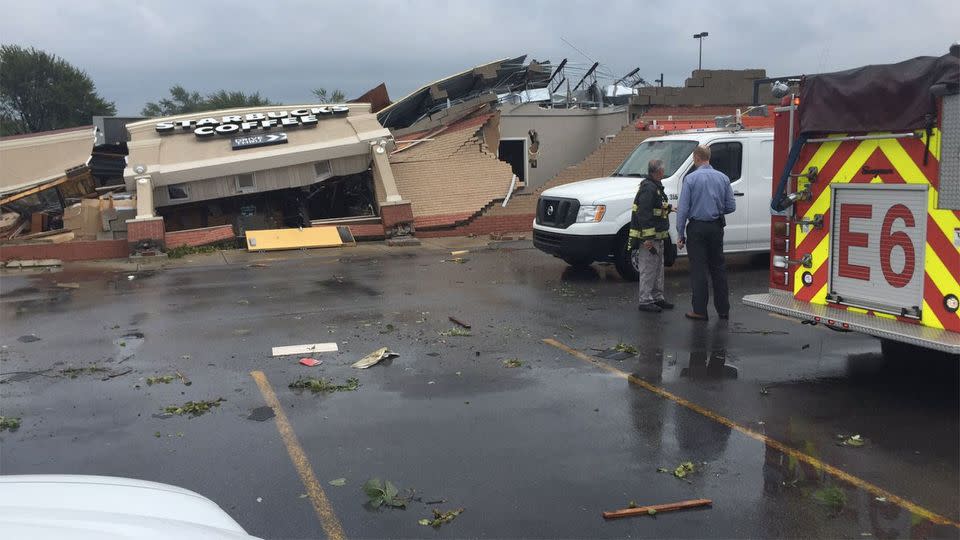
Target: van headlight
x,y
591,213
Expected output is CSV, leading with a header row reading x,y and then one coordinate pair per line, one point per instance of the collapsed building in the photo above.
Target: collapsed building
x,y
468,153
258,168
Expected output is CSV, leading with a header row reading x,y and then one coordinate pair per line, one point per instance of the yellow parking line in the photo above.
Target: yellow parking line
x,y
331,525
874,490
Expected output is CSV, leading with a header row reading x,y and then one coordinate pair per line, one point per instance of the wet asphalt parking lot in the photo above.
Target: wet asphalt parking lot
x,y
759,405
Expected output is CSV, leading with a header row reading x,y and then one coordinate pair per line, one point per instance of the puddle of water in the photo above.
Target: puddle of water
x,y
28,338
261,413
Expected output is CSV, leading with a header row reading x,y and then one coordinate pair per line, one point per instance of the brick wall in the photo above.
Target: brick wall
x,y
146,229
67,251
368,231
484,225
520,211
392,214
602,162
199,237
454,174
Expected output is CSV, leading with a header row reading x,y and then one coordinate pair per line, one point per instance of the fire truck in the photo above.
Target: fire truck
x,y
865,226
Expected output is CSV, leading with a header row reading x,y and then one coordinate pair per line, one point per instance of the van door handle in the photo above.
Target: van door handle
x,y
738,194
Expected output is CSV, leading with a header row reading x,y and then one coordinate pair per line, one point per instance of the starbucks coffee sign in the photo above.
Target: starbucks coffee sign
x,y
232,125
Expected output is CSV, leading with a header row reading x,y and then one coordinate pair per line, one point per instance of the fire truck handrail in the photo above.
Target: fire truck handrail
x,y
910,135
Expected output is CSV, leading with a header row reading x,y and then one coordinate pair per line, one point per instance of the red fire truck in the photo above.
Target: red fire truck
x,y
865,232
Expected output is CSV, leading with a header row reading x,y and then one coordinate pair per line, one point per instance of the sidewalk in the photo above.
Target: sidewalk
x,y
243,257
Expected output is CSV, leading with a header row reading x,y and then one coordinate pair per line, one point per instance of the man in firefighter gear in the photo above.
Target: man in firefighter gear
x,y
649,226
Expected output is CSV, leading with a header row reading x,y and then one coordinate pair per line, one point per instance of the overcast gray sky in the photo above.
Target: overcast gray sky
x,y
135,50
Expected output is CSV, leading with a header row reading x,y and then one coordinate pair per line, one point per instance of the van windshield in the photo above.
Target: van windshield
x,y
673,154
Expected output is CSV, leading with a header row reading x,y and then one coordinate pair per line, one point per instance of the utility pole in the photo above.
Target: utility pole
x,y
700,37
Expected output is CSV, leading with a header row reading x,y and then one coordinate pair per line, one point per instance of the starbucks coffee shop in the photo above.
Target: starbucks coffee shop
x,y
262,168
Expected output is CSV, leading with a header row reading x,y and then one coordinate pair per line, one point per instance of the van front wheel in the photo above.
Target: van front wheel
x,y
624,260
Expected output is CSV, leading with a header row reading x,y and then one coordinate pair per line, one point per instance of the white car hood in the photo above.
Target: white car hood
x,y
72,506
597,189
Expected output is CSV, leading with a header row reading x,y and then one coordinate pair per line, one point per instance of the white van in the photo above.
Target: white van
x,y
589,221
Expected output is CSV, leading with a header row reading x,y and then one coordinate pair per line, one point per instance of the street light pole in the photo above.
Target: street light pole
x,y
700,37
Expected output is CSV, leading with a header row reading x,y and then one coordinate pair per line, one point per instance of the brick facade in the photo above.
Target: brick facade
x,y
521,209
484,225
67,251
393,213
367,231
199,237
455,173
145,233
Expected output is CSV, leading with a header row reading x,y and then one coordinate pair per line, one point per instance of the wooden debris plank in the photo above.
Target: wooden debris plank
x,y
657,508
305,349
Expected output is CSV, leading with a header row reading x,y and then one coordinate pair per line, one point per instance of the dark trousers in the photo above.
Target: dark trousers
x,y
705,250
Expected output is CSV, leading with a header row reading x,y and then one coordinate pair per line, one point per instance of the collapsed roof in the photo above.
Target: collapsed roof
x,y
501,76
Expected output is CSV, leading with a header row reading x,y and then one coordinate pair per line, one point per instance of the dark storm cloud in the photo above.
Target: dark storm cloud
x,y
135,50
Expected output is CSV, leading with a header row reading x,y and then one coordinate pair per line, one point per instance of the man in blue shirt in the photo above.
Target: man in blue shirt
x,y
705,199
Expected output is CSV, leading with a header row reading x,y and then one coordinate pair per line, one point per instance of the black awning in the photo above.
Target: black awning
x,y
885,97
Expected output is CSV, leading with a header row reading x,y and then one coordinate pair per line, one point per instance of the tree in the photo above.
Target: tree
x,y
182,101
41,92
230,100
336,97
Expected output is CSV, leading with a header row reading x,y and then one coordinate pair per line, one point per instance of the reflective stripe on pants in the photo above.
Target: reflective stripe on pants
x,y
650,268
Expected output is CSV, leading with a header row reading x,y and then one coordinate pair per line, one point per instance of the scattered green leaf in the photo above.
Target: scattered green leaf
x,y
382,493
316,385
9,422
684,469
182,251
651,512
73,373
512,363
625,348
440,518
165,379
157,434
855,440
663,469
339,482
832,497
456,332
193,408
632,504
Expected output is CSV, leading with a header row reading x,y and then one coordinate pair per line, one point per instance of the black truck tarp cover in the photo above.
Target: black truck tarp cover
x,y
876,98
